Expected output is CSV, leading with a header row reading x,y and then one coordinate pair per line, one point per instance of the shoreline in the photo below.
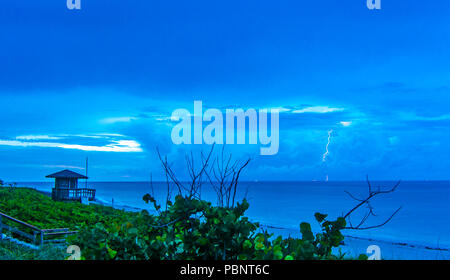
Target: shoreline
x,y
286,232
416,245
101,202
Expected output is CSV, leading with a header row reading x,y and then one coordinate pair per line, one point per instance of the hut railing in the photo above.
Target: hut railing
x,y
38,236
72,194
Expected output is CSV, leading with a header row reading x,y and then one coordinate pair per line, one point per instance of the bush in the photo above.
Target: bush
x,y
193,229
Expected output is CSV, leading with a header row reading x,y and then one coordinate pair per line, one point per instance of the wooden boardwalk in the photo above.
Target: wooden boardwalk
x,y
34,234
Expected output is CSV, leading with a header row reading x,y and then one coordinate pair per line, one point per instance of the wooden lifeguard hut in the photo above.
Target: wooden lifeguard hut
x,y
66,187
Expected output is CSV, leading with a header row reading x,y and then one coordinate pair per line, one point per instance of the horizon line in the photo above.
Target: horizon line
x,y
254,181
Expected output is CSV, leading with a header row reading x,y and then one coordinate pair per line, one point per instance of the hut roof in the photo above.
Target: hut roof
x,y
66,174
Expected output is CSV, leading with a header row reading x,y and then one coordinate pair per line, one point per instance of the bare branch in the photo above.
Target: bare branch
x,y
221,172
367,201
379,225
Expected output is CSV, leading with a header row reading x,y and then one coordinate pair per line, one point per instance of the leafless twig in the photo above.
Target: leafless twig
x,y
367,201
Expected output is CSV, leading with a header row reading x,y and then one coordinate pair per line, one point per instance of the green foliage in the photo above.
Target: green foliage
x,y
193,229
363,257
33,207
190,229
41,211
12,251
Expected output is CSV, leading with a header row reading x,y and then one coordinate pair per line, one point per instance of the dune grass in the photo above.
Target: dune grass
x,y
41,211
12,251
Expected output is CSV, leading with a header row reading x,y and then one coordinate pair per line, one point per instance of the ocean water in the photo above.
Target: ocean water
x,y
423,222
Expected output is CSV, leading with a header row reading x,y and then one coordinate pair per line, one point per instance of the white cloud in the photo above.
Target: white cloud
x,y
346,124
32,137
96,136
107,135
122,146
64,167
117,120
414,117
171,118
318,110
37,137
280,109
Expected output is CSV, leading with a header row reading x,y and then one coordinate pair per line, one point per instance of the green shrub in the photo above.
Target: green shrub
x,y
190,229
193,229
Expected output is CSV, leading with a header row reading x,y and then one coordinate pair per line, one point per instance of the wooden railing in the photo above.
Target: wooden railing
x,y
72,194
38,235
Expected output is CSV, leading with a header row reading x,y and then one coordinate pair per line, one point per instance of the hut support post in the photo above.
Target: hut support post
x,y
42,238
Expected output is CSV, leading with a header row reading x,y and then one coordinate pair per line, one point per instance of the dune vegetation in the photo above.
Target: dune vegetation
x,y
188,229
185,227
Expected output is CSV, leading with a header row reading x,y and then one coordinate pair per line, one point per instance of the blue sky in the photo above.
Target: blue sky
x,y
101,82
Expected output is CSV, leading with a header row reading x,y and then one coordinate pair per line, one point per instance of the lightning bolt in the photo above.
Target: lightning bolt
x,y
324,157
